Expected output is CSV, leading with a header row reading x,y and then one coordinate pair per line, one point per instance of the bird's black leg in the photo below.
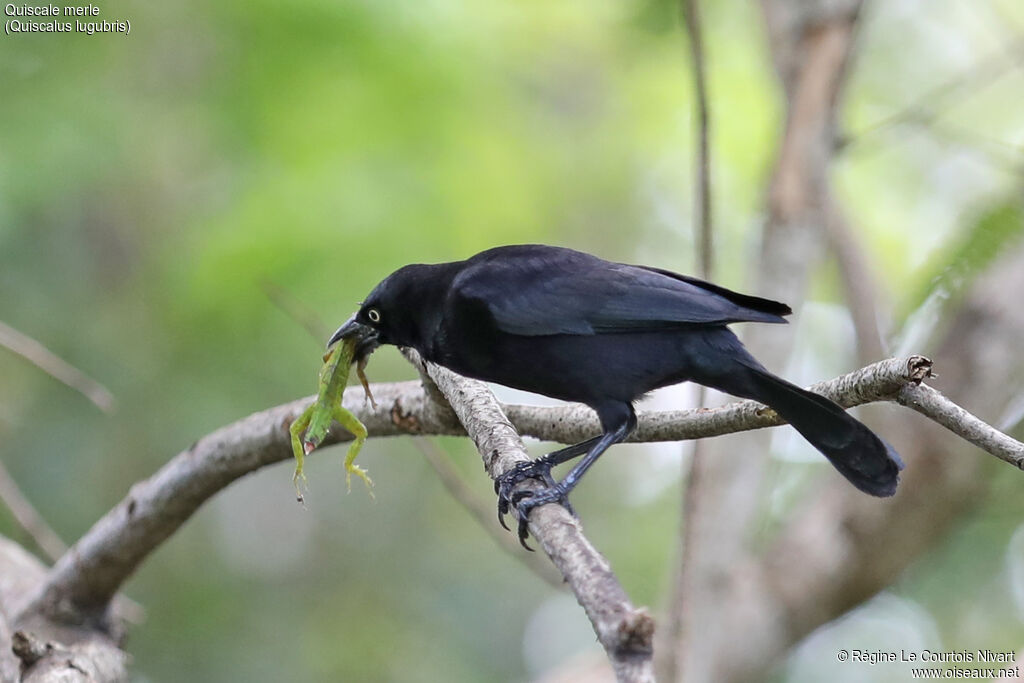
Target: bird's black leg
x,y
525,501
535,469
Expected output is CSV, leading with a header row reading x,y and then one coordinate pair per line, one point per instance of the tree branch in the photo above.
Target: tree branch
x,y
624,631
705,249
81,584
40,652
934,405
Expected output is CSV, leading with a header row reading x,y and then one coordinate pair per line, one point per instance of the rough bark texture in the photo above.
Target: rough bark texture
x,y
76,592
81,584
624,631
63,612
941,410
40,651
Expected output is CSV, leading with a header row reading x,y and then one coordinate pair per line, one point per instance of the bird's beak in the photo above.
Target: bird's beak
x,y
365,336
348,328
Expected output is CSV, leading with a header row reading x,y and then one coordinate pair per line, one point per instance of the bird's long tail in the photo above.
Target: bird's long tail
x,y
859,454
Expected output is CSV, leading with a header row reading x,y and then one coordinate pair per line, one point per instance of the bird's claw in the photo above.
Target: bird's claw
x,y
525,501
503,485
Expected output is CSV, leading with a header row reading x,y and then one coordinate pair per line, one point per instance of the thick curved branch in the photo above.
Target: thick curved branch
x,y
80,585
83,581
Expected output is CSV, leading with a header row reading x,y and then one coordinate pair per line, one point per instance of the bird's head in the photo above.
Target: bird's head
x,y
397,311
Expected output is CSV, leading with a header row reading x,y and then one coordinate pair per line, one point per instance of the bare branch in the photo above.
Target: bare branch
x,y
691,18
934,405
483,512
41,651
881,381
624,631
56,367
82,582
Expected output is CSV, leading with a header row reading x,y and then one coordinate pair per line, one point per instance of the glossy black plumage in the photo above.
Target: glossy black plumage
x,y
572,326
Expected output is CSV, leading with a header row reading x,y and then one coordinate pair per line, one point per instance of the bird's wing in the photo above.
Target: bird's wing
x,y
558,291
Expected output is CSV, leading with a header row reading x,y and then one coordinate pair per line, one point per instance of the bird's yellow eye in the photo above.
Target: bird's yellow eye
x,y
374,315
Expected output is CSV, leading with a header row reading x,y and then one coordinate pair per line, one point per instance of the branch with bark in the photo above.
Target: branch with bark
x,y
624,631
78,589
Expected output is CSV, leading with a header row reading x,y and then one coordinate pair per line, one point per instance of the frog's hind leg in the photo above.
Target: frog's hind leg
x,y
353,425
297,429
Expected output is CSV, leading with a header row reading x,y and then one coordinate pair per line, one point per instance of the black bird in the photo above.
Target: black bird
x,y
569,325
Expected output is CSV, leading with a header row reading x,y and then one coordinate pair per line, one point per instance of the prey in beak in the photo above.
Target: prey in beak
x,y
365,336
365,343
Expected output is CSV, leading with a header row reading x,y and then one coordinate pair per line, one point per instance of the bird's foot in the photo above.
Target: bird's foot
x,y
524,501
537,469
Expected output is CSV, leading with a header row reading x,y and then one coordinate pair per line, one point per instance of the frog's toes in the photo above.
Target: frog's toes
x,y
301,484
362,474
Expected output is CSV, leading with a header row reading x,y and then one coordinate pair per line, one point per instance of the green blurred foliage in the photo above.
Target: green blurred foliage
x,y
149,184
964,256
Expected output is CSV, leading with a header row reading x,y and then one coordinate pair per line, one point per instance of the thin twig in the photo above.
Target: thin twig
x,y
691,18
925,111
926,108
55,366
45,538
483,512
671,639
294,308
932,404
